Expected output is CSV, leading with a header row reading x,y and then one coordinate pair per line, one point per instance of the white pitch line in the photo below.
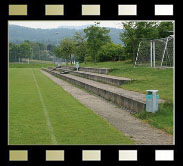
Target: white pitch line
x,y
50,128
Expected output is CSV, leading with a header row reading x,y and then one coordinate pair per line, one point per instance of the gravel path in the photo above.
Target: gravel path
x,y
140,132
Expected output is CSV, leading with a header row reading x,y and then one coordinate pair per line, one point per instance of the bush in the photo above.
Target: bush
x,y
110,52
89,59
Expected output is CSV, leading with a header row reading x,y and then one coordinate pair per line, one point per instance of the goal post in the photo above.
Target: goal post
x,y
155,52
151,53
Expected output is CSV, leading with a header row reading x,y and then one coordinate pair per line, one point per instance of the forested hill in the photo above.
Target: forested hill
x,y
18,34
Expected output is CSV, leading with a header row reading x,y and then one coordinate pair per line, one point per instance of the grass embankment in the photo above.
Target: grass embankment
x,y
34,61
72,122
147,78
13,65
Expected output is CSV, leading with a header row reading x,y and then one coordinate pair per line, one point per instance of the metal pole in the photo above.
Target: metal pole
x,y
137,54
151,53
154,53
57,38
164,51
32,54
56,45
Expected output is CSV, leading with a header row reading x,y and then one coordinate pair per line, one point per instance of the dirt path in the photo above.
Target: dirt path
x,y
140,132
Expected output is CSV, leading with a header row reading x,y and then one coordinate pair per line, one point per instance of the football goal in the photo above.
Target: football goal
x,y
156,52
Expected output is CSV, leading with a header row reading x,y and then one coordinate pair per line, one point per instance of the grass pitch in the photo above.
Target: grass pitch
x,y
42,113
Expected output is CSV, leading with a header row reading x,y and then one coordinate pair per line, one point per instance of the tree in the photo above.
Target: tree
x,y
165,29
50,49
65,49
35,50
58,52
136,31
96,38
110,51
42,46
80,49
14,52
25,50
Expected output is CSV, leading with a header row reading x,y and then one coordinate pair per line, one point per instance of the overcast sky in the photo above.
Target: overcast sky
x,y
56,24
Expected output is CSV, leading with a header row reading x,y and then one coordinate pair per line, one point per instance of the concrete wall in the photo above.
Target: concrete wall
x,y
89,69
107,80
95,70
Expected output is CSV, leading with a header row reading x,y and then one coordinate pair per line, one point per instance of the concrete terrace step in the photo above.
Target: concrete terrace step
x,y
112,80
89,69
95,70
133,101
64,70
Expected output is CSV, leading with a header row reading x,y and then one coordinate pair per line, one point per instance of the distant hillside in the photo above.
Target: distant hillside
x,y
18,34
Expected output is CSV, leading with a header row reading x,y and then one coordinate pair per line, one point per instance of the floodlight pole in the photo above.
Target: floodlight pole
x,y
54,58
32,53
57,37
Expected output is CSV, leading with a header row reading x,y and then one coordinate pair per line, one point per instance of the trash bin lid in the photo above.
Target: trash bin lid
x,y
152,91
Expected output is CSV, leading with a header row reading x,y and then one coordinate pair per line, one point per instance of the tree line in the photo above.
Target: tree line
x,y
30,50
94,43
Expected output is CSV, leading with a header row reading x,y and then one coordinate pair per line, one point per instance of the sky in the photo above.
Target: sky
x,y
56,24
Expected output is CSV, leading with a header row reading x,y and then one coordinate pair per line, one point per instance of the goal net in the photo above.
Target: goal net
x,y
156,52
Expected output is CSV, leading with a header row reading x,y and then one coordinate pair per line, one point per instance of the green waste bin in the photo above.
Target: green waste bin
x,y
152,101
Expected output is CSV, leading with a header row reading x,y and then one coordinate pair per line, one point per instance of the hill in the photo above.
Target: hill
x,y
18,34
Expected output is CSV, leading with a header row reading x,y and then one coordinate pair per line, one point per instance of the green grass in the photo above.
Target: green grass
x,y
163,119
13,65
72,122
147,78
34,61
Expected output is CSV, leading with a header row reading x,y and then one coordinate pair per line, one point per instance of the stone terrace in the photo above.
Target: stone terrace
x,y
130,100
